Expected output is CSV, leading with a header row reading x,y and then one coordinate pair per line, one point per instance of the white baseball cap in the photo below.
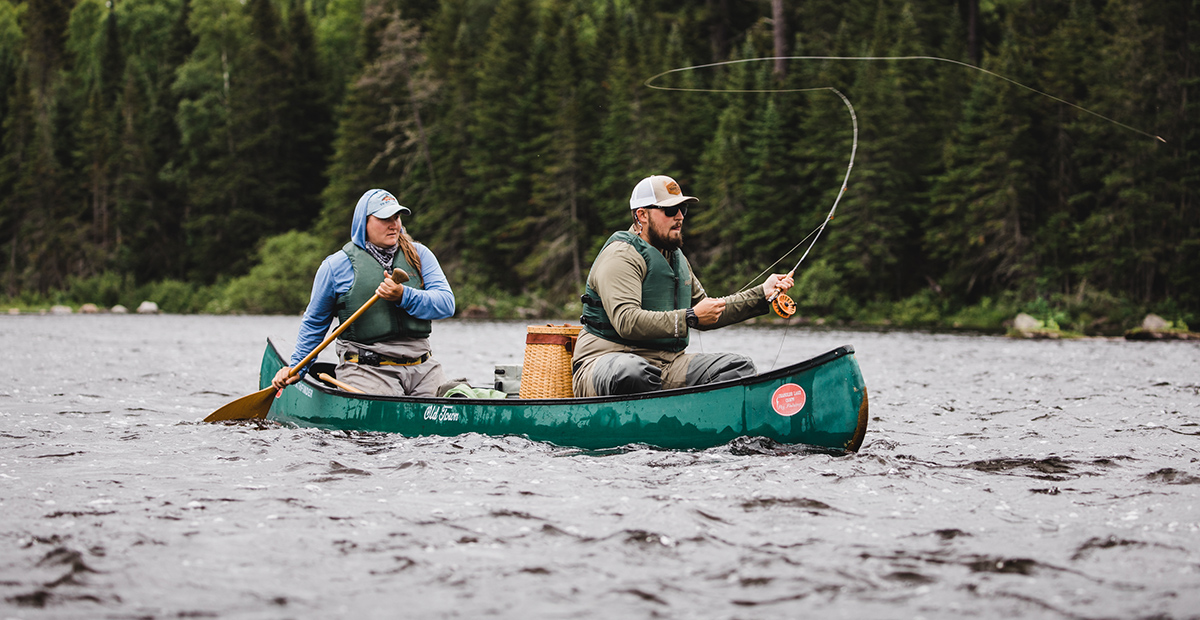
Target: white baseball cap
x,y
657,191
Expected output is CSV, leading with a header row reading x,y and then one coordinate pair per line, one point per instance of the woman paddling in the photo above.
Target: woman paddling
x,y
386,350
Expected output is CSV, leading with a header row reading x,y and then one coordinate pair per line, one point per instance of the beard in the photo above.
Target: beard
x,y
661,238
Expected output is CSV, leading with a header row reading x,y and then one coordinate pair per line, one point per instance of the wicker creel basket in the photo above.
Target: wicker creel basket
x,y
547,369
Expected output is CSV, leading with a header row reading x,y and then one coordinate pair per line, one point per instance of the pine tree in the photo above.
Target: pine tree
x,y
554,260
1129,238
15,119
822,152
978,225
151,202
308,119
98,71
356,165
44,224
339,36
873,240
770,193
498,181
721,177
223,222
616,153
1183,281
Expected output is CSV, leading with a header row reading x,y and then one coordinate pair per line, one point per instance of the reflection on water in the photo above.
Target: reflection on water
x,y
998,478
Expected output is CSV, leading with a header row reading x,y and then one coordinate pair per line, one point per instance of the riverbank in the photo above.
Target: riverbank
x,y
1036,319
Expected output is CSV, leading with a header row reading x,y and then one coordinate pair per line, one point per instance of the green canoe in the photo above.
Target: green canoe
x,y
820,402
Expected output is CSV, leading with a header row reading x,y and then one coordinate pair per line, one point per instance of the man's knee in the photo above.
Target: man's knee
x,y
625,373
715,367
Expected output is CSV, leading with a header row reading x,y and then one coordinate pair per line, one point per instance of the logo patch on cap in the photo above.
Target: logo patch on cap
x,y
673,188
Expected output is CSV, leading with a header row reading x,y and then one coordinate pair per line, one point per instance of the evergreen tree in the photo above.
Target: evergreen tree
x,y
873,250
356,165
451,45
616,153
721,178
822,152
1183,281
498,183
1129,237
339,38
980,206
770,191
560,196
307,119
45,229
151,202
15,108
222,224
98,70
167,138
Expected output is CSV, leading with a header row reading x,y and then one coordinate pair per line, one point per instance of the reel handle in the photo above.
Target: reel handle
x,y
781,303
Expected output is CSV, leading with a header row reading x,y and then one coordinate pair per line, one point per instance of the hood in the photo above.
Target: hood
x,y
372,201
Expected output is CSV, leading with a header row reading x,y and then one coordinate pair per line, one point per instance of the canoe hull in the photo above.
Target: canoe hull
x,y
820,402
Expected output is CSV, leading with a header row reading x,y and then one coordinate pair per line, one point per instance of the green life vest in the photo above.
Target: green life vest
x,y
667,286
384,320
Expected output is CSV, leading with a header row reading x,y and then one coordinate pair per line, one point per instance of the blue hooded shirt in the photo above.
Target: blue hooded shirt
x,y
336,274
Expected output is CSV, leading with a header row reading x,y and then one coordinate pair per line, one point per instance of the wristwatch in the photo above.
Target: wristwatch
x,y
692,320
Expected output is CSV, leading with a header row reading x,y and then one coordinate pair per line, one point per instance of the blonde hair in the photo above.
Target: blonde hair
x,y
410,253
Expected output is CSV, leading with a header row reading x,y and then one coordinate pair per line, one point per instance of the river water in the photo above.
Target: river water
x,y
998,478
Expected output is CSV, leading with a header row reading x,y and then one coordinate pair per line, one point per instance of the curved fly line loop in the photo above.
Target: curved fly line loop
x,y
780,302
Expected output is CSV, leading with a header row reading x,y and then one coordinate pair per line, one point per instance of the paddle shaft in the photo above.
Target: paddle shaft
x,y
337,332
398,275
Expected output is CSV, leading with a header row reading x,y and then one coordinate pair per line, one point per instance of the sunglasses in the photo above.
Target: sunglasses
x,y
671,211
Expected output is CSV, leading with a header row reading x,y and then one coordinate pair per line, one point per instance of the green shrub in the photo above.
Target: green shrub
x,y
470,293
1052,315
923,309
988,314
281,282
105,290
173,296
818,290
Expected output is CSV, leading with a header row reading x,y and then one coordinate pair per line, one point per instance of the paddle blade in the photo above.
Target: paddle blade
x,y
253,406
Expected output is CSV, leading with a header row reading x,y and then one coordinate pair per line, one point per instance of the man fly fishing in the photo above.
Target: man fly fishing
x,y
642,300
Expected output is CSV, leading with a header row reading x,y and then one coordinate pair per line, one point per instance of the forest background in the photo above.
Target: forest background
x,y
207,154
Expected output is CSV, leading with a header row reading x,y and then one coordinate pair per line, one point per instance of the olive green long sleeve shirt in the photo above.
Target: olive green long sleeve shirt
x,y
617,276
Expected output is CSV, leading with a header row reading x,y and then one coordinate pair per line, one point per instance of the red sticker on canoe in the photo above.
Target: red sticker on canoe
x,y
788,399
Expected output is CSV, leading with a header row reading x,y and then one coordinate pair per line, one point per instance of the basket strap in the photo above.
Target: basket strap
x,y
558,339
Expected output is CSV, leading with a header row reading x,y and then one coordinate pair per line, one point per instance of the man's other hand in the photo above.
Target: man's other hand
x,y
709,310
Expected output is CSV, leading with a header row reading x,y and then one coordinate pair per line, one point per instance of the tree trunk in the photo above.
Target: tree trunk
x,y
973,32
780,31
719,36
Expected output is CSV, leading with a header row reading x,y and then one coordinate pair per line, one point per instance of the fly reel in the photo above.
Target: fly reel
x,y
783,305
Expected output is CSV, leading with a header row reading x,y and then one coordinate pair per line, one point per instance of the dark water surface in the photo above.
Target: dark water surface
x,y
998,478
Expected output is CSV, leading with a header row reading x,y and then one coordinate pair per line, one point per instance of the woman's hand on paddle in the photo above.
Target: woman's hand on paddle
x,y
281,378
390,289
777,282
709,310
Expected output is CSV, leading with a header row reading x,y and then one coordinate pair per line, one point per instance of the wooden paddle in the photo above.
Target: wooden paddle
x,y
327,378
256,406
